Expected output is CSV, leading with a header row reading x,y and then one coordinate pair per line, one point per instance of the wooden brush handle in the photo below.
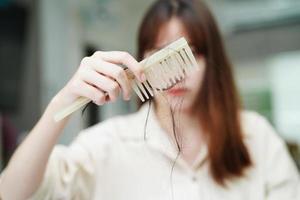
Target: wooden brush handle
x,y
80,102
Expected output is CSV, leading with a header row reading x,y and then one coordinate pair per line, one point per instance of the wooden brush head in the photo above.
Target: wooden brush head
x,y
165,68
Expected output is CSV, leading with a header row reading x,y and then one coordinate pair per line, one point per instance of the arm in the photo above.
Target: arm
x,y
36,148
96,76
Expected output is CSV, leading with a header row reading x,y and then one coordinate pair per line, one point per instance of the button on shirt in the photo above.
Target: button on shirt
x,y
113,161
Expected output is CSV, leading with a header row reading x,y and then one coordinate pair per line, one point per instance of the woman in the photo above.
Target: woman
x,y
199,143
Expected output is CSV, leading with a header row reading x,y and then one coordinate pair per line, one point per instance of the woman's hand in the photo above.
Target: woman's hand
x,y
101,78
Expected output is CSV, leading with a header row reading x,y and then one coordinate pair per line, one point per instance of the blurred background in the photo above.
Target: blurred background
x,y
43,41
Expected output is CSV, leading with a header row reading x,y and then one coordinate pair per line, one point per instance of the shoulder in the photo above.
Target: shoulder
x,y
257,127
270,156
252,120
264,143
261,138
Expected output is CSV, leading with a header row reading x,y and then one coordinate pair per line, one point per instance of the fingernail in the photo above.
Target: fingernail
x,y
127,97
143,77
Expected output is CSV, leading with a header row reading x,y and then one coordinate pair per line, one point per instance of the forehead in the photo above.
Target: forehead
x,y
169,32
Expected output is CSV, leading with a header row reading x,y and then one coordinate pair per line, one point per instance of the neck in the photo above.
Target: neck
x,y
188,131
186,124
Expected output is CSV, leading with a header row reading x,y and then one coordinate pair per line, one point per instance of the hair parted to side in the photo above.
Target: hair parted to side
x,y
217,104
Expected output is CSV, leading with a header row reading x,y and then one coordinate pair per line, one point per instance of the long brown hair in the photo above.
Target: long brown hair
x,y
217,104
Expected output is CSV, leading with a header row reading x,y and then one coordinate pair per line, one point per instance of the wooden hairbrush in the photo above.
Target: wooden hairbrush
x,y
163,69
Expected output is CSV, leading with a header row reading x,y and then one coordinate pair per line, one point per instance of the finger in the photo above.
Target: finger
x,y
124,58
84,89
103,83
114,71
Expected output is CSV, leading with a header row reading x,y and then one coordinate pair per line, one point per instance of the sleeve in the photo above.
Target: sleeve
x,y
70,172
281,175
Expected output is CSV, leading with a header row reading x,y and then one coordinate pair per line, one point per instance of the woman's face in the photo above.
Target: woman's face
x,y
183,94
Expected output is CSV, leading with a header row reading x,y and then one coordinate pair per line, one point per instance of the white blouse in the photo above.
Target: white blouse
x,y
113,161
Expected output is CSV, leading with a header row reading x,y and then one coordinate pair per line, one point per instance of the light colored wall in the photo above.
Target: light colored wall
x,y
61,52
284,72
